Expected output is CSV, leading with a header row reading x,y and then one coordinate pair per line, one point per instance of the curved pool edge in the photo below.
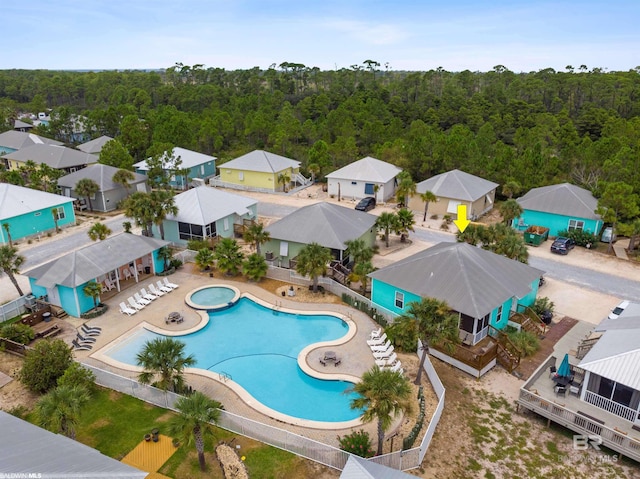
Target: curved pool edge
x,y
212,307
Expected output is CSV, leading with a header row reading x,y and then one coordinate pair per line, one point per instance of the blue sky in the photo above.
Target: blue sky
x,y
236,34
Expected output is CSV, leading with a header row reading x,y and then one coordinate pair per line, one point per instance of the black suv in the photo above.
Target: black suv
x,y
562,245
366,204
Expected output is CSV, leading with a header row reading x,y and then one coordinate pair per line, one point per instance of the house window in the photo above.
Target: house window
x,y
483,322
202,170
452,207
368,188
241,176
59,213
399,300
187,231
576,225
226,223
284,249
499,314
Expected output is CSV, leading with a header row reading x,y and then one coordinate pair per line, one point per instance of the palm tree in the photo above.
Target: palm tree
x,y
139,207
163,204
164,358
99,231
228,256
6,227
312,261
126,225
59,410
87,187
93,290
54,213
358,251
386,222
255,267
513,247
204,259
10,262
435,324
427,197
197,414
360,274
404,223
257,235
123,177
284,178
382,394
510,210
406,187
165,254
313,169
511,188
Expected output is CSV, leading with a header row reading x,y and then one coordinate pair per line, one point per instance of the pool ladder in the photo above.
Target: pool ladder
x,y
223,376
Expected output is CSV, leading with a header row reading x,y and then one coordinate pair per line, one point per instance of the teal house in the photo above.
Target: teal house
x,y
182,166
31,213
563,207
481,287
206,212
118,262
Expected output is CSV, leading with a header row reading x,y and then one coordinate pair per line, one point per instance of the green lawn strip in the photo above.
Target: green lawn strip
x,y
271,463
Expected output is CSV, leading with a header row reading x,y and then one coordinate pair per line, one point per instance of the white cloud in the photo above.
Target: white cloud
x,y
370,33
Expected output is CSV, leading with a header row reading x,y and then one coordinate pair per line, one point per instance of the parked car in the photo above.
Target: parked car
x,y
366,204
562,245
617,311
608,236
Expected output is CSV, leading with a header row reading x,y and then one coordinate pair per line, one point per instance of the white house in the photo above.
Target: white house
x,y
365,177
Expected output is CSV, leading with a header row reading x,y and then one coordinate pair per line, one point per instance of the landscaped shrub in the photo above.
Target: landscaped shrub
x,y
582,238
175,263
543,304
407,442
44,364
18,332
365,308
358,443
526,342
403,334
197,245
76,375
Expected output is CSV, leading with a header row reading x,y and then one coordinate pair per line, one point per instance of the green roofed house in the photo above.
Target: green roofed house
x,y
31,213
260,171
30,451
484,289
116,262
562,207
206,212
327,224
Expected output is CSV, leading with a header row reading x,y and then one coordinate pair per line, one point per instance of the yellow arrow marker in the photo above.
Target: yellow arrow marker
x,y
462,222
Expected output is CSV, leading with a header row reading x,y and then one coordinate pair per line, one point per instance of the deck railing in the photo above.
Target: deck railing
x,y
610,406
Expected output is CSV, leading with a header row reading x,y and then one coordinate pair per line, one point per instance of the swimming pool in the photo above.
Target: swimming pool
x,y
212,297
258,348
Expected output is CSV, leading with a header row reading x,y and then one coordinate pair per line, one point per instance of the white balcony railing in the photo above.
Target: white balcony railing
x,y
610,406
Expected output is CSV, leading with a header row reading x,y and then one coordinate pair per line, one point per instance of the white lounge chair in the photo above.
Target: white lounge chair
x,y
155,291
107,285
381,347
168,284
378,341
162,287
139,299
134,304
132,270
86,328
387,362
89,332
145,295
376,333
383,354
124,309
396,367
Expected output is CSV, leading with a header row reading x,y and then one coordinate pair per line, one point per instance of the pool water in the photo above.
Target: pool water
x,y
213,296
258,348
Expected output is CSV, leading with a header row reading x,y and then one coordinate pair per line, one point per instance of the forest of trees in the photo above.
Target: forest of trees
x,y
527,129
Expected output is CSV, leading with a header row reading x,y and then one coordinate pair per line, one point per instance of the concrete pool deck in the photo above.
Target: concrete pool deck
x,y
355,355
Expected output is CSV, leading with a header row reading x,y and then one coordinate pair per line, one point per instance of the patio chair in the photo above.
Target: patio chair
x,y
155,291
81,347
132,270
124,309
86,328
82,339
135,305
560,390
376,333
89,332
383,354
168,284
552,371
377,341
148,296
575,388
107,285
127,274
387,362
381,347
139,299
162,287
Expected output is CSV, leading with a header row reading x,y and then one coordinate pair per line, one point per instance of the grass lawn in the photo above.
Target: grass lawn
x,y
114,423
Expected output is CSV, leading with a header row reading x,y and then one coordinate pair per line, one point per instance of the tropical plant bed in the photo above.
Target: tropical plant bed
x,y
95,312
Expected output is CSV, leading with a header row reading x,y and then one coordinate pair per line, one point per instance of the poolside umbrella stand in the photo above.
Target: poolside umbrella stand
x,y
564,370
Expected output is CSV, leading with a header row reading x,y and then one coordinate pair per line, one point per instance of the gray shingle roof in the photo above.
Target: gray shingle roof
x,y
367,169
94,146
204,205
189,158
27,449
564,199
101,174
458,185
471,280
261,161
324,223
18,200
359,468
96,259
19,139
55,156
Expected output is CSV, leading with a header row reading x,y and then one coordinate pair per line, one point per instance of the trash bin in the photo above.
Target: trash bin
x,y
46,317
147,269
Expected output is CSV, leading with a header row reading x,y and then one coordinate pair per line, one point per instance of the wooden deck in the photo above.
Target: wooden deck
x,y
149,456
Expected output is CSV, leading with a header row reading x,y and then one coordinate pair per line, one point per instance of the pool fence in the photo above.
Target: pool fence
x,y
302,446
